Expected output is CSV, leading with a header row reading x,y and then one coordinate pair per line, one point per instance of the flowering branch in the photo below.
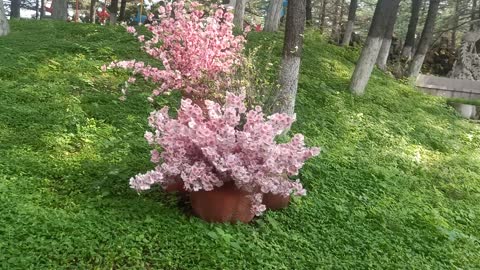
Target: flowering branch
x,y
198,50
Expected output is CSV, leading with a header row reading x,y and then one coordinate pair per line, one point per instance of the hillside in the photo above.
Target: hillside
x,y
397,184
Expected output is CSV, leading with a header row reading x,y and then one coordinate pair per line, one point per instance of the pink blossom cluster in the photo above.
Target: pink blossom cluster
x,y
226,143
198,50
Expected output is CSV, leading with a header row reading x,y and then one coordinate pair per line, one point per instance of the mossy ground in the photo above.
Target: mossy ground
x,y
397,185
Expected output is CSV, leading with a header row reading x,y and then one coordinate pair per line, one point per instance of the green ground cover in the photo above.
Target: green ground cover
x,y
397,185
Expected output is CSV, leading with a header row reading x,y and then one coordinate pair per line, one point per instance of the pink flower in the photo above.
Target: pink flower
x,y
207,151
198,49
155,156
131,30
161,10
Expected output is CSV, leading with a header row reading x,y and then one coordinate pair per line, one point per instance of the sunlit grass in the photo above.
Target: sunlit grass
x,y
397,185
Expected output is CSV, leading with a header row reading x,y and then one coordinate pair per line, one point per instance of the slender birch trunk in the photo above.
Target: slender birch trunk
x,y
323,15
15,9
352,12
60,9
92,10
370,50
425,40
292,52
382,58
4,26
272,19
309,15
407,50
123,6
239,13
113,12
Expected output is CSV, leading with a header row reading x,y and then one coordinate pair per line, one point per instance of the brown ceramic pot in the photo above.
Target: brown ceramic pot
x,y
223,204
275,202
175,187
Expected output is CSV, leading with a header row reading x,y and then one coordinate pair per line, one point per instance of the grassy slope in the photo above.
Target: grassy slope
x,y
397,186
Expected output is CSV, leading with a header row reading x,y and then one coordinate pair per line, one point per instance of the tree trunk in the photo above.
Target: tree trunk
x,y
60,9
409,44
42,11
273,15
370,50
309,15
336,21
340,28
323,15
113,12
292,52
474,15
123,6
15,9
425,40
387,38
113,18
239,13
4,27
93,10
474,10
352,11
37,7
455,18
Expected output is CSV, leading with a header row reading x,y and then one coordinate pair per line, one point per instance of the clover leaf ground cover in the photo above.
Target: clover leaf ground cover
x,y
397,184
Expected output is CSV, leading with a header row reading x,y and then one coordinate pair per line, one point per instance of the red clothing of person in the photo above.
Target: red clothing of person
x,y
103,15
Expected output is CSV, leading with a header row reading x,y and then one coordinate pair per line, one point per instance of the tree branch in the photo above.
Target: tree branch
x,y
440,33
249,10
456,27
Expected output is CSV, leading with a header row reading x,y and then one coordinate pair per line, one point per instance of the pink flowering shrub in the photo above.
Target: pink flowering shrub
x,y
226,143
198,50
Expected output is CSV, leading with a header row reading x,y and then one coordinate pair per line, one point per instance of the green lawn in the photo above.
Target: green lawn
x,y
397,185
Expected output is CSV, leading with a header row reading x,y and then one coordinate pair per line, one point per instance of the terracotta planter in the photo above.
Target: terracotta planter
x,y
224,204
175,187
275,202
179,189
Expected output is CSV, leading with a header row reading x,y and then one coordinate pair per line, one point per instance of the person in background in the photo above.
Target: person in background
x,y
284,11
